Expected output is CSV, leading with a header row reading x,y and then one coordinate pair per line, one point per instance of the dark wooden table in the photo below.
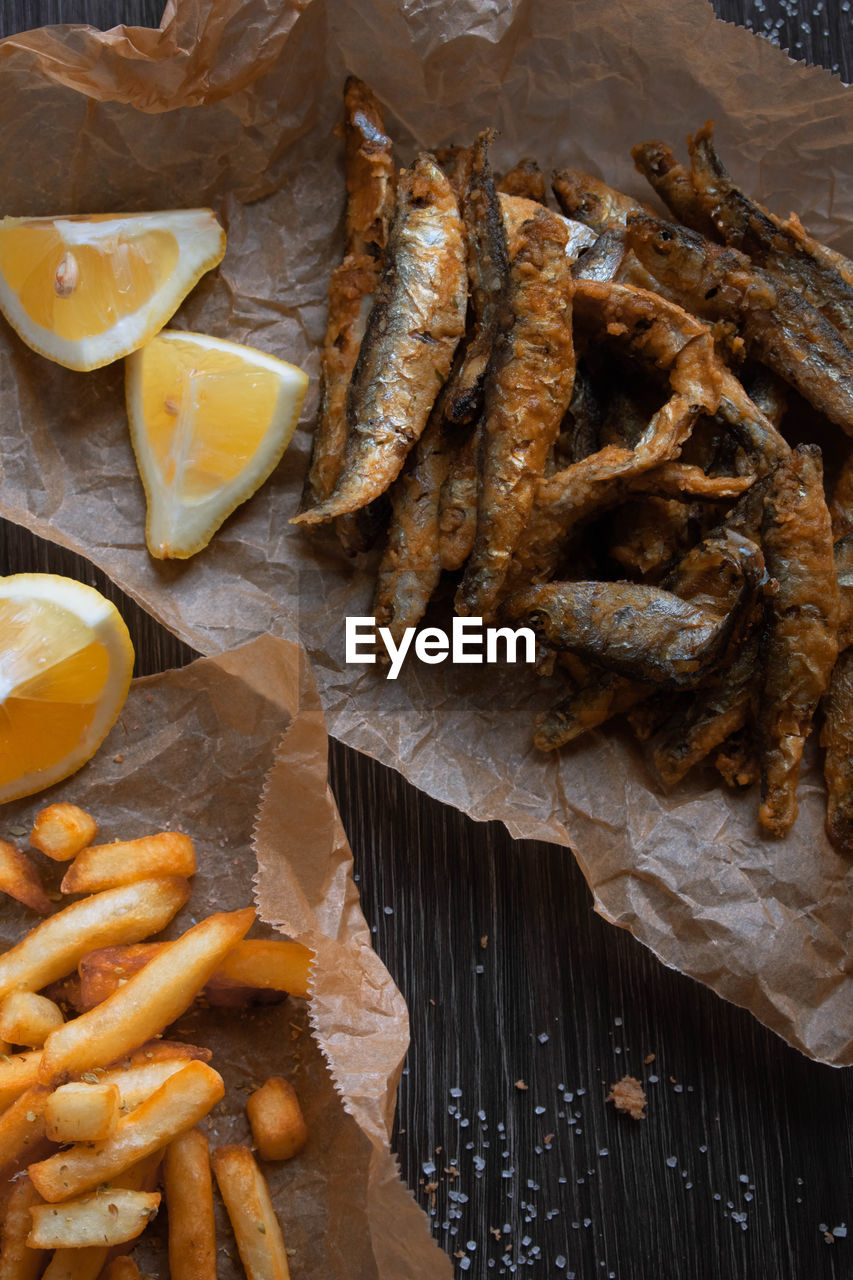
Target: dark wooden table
x,y
743,1169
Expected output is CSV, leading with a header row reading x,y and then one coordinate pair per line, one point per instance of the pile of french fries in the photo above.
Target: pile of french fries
x,y
97,1110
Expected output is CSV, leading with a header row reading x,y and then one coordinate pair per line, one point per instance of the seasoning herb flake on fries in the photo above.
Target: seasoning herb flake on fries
x,y
630,386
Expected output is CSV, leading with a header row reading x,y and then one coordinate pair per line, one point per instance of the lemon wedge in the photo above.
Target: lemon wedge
x,y
209,422
84,291
66,660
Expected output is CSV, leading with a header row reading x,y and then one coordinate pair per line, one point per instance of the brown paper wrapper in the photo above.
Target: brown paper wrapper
x,y
196,751
234,105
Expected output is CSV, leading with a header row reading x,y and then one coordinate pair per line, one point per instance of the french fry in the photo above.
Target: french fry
x,y
81,1112
188,1187
107,1217
87,1264
247,1199
28,1019
160,1050
22,1124
17,1260
103,866
135,1084
122,1268
19,878
17,1072
272,963
56,946
253,965
62,830
275,1116
148,1002
177,1105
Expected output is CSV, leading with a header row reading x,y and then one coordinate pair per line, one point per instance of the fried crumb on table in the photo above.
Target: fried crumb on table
x,y
628,1095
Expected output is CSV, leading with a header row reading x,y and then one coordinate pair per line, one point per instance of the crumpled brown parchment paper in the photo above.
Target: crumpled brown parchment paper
x,y
232,751
234,104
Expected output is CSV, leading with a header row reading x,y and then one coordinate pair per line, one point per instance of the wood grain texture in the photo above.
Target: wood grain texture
x,y
746,1152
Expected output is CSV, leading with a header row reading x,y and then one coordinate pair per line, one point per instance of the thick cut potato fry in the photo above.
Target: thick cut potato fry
x,y
22,1124
87,1264
107,1217
177,1105
17,1072
19,878
17,1260
81,1112
135,1084
247,1199
275,1116
28,1019
62,830
148,1002
253,965
123,1268
55,947
103,866
188,1186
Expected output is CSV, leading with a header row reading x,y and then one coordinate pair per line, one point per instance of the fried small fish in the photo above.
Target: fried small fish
x,y
746,225
528,390
661,334
837,739
589,200
841,506
800,641
369,171
524,179
778,325
590,702
674,184
737,760
488,270
516,210
842,555
414,328
650,633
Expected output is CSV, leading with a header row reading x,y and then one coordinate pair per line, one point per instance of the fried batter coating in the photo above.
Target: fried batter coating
x,y
842,554
591,701
747,226
800,643
528,391
841,506
589,200
778,325
414,327
737,761
369,168
516,210
837,738
524,179
674,184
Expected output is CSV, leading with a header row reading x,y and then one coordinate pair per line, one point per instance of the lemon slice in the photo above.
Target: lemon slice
x,y
85,291
209,421
66,660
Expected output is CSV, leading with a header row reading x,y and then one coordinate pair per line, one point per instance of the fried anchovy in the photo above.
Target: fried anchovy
x,y
598,693
778,325
488,269
410,568
842,554
524,179
823,252
528,390
755,431
659,333
647,535
837,739
579,430
416,323
650,633
747,226
674,184
369,168
516,210
589,200
683,482
767,392
841,506
800,643
704,719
